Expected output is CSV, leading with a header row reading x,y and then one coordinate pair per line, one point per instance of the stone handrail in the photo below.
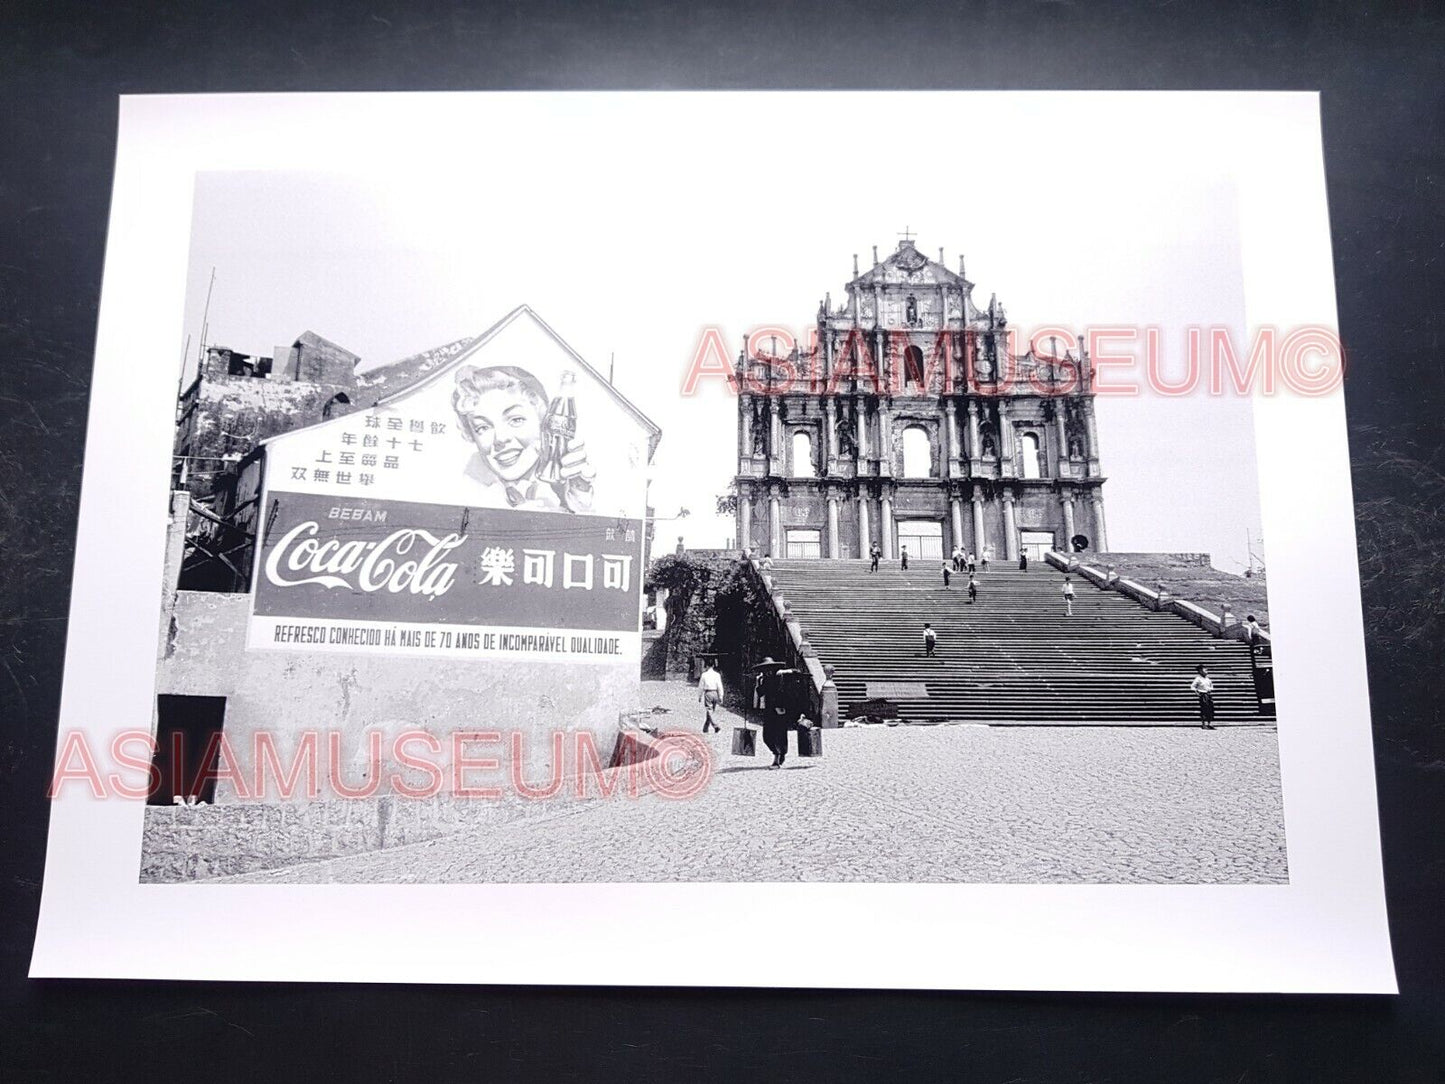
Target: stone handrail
x,y
1222,624
822,693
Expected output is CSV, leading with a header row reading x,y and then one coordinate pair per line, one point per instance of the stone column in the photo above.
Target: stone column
x,y
864,536
1005,441
775,439
955,506
745,517
1091,431
885,522
833,542
830,414
1062,429
1101,536
745,444
775,523
1010,528
978,538
975,465
885,441
1067,500
827,355
952,468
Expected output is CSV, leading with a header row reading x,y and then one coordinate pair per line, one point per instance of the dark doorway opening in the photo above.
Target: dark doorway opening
x,y
187,738
913,366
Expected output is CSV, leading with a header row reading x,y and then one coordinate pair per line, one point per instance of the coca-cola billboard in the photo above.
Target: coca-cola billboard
x,y
361,574
495,507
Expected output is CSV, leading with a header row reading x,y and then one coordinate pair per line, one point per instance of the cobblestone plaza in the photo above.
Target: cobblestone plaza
x,y
954,803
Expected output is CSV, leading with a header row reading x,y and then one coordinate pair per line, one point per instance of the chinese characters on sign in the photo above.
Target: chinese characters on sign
x,y
380,444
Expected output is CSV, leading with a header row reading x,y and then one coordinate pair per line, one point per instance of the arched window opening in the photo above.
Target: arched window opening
x,y
913,366
917,453
1031,465
803,456
338,400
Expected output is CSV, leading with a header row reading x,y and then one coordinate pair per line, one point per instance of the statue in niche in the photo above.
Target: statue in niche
x,y
988,440
911,311
1076,446
760,425
847,442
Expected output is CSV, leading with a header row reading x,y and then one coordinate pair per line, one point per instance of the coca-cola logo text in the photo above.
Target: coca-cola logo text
x,y
386,565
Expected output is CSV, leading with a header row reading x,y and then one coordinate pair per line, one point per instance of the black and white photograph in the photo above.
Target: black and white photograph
x,y
894,527
642,512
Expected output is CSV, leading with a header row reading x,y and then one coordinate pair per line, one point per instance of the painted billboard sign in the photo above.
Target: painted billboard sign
x,y
493,509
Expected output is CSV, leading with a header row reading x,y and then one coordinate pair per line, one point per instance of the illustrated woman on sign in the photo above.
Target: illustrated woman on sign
x,y
528,452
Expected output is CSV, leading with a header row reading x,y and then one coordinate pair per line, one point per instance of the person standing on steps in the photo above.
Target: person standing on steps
x,y
972,589
1204,687
1068,597
972,564
957,559
905,558
947,573
710,692
983,558
874,552
930,640
1251,634
1023,562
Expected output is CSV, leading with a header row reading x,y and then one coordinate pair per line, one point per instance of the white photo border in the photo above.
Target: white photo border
x,y
1324,931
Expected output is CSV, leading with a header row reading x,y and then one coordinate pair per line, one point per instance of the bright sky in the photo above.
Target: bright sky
x,y
632,223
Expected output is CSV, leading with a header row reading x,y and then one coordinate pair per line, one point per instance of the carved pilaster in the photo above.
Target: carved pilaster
x,y
975,463
885,520
1010,527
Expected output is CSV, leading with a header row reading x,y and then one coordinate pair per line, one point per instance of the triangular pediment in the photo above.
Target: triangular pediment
x,y
907,267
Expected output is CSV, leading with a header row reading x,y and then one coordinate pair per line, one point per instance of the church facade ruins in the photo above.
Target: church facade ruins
x,y
913,421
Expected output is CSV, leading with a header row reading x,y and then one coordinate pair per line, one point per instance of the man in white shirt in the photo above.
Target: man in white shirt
x,y
1204,687
710,692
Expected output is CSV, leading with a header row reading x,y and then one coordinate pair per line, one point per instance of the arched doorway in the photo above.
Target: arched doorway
x,y
803,466
913,375
917,453
1030,446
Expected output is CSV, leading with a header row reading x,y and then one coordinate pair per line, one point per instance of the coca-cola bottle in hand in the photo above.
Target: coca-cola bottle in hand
x,y
567,467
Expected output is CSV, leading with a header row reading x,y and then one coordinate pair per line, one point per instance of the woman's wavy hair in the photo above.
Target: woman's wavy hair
x,y
475,380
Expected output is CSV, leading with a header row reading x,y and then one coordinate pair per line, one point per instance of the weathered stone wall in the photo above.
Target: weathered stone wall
x,y
323,362
287,693
187,843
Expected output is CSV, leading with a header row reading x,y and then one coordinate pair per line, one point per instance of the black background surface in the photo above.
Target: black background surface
x,y
1380,71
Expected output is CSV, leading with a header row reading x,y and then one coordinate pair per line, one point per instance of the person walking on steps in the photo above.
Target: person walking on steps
x,y
710,692
1023,562
983,558
1068,597
905,558
972,589
930,640
947,574
1204,687
957,559
874,552
972,564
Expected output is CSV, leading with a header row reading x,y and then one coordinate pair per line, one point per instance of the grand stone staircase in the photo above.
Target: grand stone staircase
x,y
1013,657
